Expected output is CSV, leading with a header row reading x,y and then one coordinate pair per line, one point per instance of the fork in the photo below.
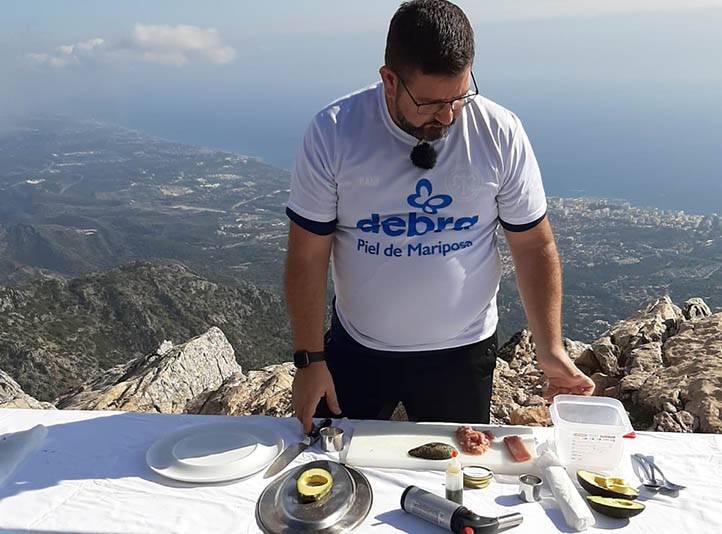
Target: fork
x,y
648,467
671,486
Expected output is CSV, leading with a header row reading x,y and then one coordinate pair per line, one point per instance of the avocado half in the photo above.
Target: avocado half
x,y
313,485
601,486
618,508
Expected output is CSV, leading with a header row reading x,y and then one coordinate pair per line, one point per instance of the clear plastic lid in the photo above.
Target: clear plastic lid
x,y
581,410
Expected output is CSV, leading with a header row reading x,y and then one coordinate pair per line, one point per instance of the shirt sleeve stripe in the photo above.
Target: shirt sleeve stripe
x,y
521,227
315,227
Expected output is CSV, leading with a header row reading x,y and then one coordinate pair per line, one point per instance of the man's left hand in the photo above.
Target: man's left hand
x,y
565,378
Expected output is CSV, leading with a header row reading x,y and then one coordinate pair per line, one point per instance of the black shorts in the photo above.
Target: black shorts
x,y
449,385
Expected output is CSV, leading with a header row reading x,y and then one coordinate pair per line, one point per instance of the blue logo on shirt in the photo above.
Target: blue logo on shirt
x,y
417,225
423,199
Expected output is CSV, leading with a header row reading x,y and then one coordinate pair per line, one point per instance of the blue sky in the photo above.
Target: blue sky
x,y
629,39
640,79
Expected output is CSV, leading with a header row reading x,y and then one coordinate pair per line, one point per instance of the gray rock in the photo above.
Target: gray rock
x,y
607,356
690,378
632,383
665,366
164,347
695,308
656,322
535,399
611,391
602,382
531,416
575,349
676,422
12,395
164,383
645,358
264,392
587,362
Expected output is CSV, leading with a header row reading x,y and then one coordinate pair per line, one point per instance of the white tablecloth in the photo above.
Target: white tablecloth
x,y
90,476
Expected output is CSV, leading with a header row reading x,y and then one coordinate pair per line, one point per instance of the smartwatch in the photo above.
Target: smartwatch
x,y
304,358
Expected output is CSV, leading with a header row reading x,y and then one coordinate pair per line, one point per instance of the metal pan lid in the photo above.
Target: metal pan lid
x,y
280,510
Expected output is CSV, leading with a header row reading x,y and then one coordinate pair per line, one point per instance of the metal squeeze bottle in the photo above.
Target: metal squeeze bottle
x,y
454,480
450,516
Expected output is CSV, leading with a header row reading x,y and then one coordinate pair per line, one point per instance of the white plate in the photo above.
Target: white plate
x,y
214,452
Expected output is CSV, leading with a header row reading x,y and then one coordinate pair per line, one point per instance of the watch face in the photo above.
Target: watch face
x,y
303,358
300,359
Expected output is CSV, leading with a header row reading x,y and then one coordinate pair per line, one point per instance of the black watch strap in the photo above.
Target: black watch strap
x,y
304,358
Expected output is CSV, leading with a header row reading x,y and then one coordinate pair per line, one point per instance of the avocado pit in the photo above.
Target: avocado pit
x,y
313,485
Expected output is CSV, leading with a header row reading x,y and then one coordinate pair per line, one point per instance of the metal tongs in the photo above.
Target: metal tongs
x,y
649,479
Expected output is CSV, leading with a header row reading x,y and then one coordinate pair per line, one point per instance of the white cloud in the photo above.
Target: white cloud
x,y
172,44
175,59
72,54
163,44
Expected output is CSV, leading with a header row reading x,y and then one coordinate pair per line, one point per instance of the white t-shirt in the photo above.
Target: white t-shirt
x,y
415,262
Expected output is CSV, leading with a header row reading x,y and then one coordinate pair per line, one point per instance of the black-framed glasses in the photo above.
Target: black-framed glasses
x,y
432,108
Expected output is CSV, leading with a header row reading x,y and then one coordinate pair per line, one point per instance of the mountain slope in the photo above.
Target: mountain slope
x,y
54,334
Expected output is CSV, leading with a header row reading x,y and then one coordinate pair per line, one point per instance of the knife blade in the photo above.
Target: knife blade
x,y
295,449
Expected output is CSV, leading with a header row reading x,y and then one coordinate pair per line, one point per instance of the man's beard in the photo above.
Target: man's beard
x,y
429,131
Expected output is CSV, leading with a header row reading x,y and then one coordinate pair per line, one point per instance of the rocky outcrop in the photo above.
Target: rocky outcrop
x,y
265,392
12,395
685,393
166,381
519,383
664,363
57,334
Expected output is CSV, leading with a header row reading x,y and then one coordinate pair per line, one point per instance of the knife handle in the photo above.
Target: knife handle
x,y
316,431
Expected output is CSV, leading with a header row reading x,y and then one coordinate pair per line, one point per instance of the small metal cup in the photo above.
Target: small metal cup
x,y
332,439
529,487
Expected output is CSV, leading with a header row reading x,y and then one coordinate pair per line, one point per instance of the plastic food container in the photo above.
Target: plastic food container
x,y
588,432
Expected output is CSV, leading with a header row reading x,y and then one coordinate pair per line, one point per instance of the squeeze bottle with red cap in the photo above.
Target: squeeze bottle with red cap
x,y
454,480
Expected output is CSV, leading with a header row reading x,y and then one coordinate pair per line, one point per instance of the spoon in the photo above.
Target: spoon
x,y
650,481
645,473
670,486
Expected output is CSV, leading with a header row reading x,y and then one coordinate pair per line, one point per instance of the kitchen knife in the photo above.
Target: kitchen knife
x,y
294,450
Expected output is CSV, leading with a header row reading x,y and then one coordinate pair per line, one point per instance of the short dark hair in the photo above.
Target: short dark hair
x,y
433,36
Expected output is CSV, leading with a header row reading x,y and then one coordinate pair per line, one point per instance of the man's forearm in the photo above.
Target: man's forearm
x,y
540,287
306,302
539,281
305,287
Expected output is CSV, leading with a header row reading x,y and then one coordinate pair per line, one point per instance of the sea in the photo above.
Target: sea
x,y
642,149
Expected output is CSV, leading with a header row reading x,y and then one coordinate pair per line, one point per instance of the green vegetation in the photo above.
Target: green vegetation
x,y
55,334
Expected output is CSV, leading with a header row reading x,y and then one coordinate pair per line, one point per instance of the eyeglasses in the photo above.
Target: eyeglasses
x,y
432,108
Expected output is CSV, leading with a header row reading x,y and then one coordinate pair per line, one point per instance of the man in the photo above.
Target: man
x,y
401,187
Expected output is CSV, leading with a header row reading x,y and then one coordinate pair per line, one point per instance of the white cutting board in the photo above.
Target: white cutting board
x,y
386,444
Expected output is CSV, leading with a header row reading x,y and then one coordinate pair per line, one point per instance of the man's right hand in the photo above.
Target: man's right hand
x,y
309,385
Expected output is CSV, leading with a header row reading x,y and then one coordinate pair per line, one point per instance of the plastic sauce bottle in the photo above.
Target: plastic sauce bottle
x,y
454,480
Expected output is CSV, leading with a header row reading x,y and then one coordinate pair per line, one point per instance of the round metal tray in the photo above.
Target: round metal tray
x,y
279,510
